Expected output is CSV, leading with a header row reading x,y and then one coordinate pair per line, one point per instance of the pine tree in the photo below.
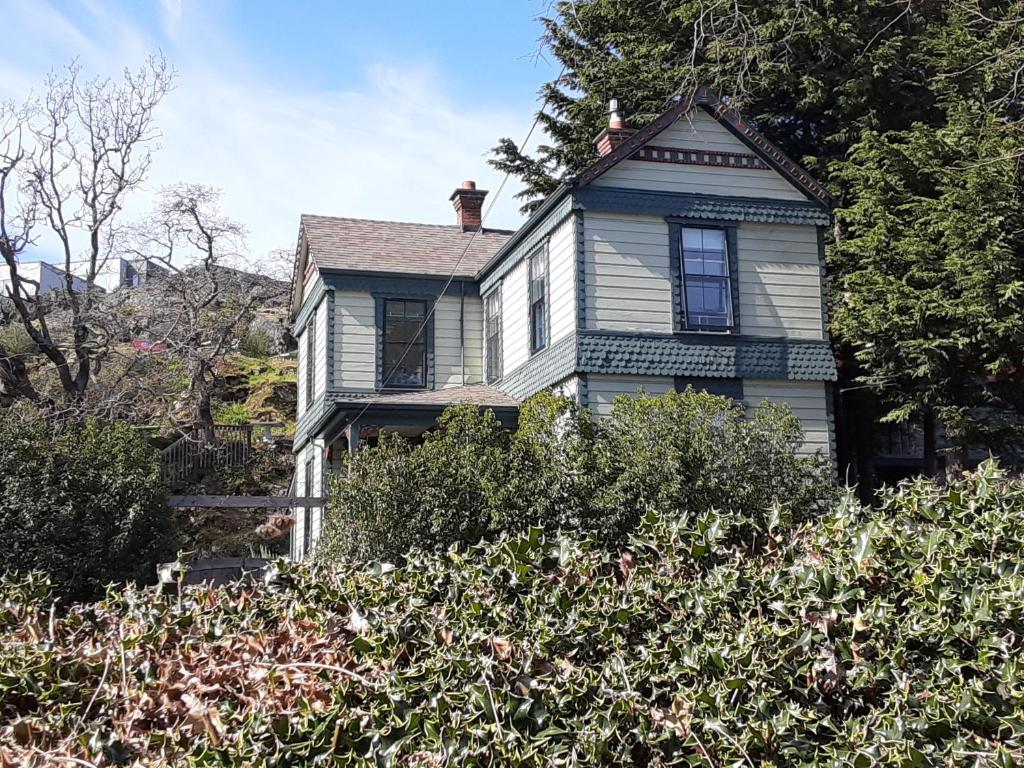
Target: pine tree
x,y
910,113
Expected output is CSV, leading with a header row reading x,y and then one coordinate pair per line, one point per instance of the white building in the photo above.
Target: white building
x,y
48,277
120,273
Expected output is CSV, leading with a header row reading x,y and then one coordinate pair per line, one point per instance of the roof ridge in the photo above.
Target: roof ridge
x,y
483,230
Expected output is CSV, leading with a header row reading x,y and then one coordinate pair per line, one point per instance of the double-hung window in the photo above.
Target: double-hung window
x,y
310,360
707,293
404,362
538,300
492,333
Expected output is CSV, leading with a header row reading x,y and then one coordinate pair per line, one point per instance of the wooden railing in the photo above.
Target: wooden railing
x,y
203,448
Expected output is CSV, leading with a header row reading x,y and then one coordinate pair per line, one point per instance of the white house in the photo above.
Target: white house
x,y
690,253
117,273
41,278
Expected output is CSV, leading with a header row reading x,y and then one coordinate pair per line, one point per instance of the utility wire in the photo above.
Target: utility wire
x,y
455,268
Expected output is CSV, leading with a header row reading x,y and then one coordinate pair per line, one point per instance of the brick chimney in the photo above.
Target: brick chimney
x,y
469,203
616,132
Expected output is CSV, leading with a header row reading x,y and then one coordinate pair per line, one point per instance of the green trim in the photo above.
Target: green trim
x,y
581,271
309,306
383,282
329,367
823,277
723,387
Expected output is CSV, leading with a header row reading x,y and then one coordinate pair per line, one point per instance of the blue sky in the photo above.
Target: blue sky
x,y
348,108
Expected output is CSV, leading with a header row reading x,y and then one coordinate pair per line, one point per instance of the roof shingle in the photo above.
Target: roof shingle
x,y
399,247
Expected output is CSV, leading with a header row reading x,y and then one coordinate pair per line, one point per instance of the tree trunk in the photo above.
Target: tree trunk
x,y
930,458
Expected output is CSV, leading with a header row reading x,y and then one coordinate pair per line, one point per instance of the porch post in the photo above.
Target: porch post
x,y
353,438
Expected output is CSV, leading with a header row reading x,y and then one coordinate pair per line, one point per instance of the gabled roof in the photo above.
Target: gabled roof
x,y
398,247
703,97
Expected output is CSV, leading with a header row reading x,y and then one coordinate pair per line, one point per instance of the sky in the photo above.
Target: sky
x,y
363,109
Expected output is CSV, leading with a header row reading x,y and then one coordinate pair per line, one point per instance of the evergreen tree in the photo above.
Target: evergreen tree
x,y
908,112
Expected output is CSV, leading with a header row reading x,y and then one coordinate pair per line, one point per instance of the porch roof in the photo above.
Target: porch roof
x,y
481,395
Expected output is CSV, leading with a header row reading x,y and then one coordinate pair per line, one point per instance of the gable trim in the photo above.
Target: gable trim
x,y
702,97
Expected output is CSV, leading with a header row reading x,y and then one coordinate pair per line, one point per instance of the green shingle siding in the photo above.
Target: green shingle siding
x,y
648,355
696,206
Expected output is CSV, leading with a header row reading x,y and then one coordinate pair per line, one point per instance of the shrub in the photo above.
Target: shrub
x,y
256,343
470,479
15,339
82,503
232,413
867,637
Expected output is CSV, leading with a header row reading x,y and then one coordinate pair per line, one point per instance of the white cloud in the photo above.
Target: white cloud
x,y
392,146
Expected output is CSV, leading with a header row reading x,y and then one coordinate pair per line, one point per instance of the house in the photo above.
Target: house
x,y
116,273
40,278
689,253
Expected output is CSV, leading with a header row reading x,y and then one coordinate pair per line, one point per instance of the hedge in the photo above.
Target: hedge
x,y
83,503
471,479
865,637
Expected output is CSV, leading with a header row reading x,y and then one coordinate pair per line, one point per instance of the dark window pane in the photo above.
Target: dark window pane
x,y
404,363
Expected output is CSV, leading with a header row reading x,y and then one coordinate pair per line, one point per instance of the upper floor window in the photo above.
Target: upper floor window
x,y
310,360
706,289
492,334
404,361
538,300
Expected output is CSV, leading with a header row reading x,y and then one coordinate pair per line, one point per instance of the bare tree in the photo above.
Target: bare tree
x,y
206,305
68,162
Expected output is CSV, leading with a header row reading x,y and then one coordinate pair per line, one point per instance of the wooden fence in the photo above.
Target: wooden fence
x,y
203,448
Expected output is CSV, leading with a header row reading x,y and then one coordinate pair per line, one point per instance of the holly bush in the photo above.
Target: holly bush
x,y
471,479
865,637
82,503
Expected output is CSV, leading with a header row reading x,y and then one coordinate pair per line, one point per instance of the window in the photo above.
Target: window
x,y
310,360
706,288
492,332
404,363
538,300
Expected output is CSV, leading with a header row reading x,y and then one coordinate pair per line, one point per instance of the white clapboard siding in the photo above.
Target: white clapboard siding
x,y
320,321
355,341
808,399
780,281
474,340
562,276
628,284
602,390
568,387
448,340
698,130
314,450
515,317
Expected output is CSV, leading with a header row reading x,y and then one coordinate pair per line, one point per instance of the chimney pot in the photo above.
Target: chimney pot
x,y
468,202
616,132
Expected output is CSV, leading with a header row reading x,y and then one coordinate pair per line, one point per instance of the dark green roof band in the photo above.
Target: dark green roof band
x,y
756,210
719,357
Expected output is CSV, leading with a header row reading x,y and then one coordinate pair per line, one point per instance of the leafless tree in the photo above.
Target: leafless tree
x,y
68,162
201,310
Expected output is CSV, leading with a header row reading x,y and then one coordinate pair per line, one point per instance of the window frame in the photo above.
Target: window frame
x,y
493,364
681,321
382,373
538,255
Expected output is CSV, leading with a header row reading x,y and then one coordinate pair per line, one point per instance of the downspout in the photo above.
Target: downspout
x,y
462,330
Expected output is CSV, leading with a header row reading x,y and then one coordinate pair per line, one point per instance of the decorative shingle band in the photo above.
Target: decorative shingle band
x,y
653,154
685,205
542,370
650,355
